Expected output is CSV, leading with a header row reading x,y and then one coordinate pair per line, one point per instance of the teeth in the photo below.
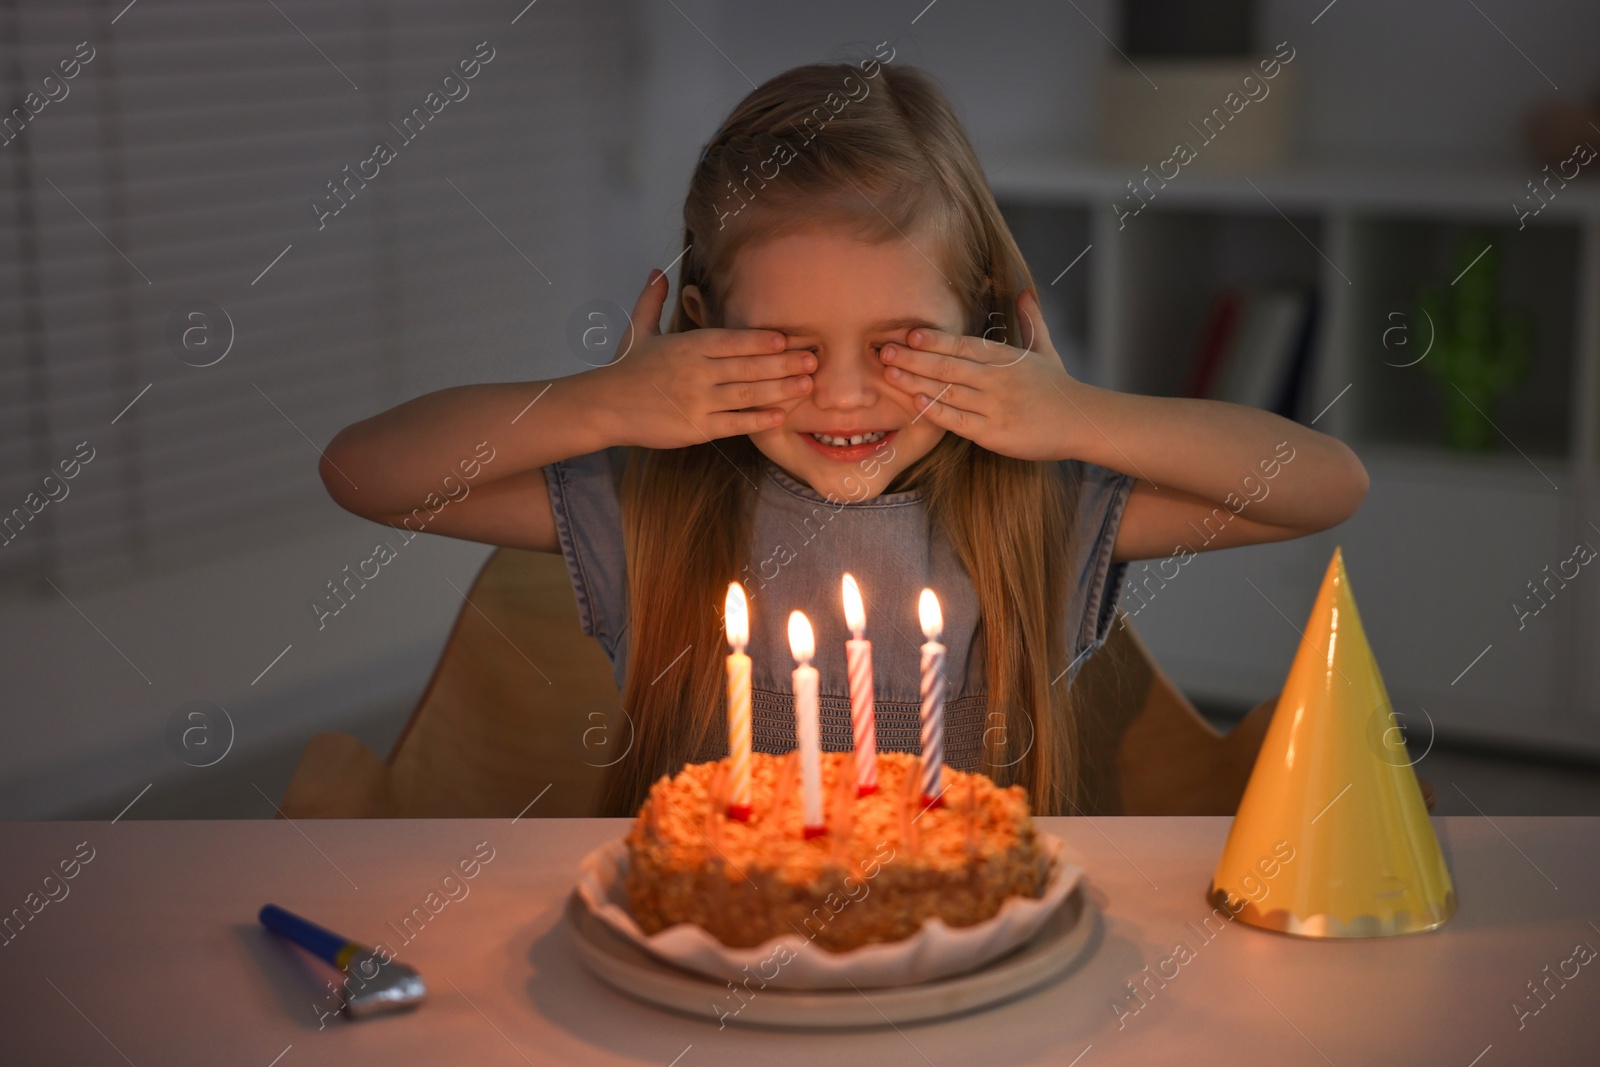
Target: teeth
x,y
855,439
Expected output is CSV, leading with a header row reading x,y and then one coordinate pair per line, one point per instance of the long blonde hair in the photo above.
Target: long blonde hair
x,y
890,161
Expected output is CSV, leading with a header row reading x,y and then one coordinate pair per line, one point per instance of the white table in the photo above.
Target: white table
x,y
155,957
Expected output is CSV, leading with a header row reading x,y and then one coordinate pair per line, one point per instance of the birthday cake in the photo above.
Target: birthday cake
x,y
887,863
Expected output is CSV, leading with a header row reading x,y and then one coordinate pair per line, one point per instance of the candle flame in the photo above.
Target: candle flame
x,y
801,641
736,617
855,616
932,617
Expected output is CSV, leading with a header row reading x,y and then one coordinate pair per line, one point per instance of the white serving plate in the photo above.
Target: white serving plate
x,y
618,961
791,961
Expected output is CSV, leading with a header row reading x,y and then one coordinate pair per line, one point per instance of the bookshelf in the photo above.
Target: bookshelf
x,y
1446,542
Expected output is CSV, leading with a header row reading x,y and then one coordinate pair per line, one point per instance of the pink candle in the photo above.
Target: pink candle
x,y
863,714
808,724
932,699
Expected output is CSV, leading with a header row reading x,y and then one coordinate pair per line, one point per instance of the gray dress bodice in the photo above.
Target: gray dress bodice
x,y
801,545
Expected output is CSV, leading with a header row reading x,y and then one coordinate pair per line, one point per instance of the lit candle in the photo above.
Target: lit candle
x,y
808,727
736,617
863,715
932,699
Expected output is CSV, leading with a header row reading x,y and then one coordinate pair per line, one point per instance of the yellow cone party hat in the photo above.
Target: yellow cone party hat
x,y
1332,837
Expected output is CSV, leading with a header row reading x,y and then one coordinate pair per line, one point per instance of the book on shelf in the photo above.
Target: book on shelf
x,y
1255,348
1298,379
1215,337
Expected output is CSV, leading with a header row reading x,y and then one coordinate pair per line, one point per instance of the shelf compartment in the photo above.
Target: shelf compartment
x,y
1395,404
1172,264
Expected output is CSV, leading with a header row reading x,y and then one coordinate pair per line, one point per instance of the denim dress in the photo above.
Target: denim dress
x,y
802,544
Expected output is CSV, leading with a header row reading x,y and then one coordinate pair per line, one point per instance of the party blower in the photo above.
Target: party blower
x,y
373,986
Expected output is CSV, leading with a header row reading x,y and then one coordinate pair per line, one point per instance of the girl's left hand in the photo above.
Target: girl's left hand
x,y
1009,400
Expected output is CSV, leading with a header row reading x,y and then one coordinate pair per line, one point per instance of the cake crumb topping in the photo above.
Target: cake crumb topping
x,y
886,864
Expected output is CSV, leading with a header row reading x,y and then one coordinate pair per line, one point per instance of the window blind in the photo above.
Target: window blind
x,y
176,171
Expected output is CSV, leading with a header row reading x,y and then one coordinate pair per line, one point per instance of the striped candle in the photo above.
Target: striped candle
x,y
863,714
736,618
932,699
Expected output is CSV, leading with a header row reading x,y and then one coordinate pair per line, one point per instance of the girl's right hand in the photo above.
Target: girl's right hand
x,y
676,389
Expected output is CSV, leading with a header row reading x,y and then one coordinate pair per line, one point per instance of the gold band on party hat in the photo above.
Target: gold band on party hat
x,y
1284,921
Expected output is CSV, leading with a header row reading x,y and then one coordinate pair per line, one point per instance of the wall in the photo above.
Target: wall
x,y
207,130
1426,82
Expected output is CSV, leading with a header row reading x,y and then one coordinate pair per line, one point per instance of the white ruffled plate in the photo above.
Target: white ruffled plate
x,y
935,951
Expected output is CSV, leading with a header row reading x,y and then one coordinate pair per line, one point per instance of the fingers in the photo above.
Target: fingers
x,y
980,350
760,368
957,420
948,344
721,343
992,348
962,396
931,363
736,395
646,315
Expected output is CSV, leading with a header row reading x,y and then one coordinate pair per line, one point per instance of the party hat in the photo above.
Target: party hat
x,y
1332,837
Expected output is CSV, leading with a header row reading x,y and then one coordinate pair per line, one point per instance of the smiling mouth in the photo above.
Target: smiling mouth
x,y
844,447
868,437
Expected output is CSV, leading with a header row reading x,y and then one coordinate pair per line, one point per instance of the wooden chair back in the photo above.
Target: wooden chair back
x,y
522,710
521,705
1145,749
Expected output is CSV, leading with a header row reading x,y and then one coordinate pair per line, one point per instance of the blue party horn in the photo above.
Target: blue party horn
x,y
381,985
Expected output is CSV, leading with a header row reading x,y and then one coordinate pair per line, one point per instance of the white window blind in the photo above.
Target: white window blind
x,y
182,162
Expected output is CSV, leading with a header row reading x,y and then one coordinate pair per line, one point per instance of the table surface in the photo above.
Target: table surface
x,y
154,957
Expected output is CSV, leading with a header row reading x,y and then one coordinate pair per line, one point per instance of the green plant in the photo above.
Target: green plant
x,y
1480,348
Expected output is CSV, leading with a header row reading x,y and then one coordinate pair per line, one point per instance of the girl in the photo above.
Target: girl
x,y
856,377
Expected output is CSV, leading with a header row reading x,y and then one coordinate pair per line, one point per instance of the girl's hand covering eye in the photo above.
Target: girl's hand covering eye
x,y
1014,401
676,389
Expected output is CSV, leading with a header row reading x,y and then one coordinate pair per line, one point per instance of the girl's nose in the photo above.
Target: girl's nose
x,y
846,378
